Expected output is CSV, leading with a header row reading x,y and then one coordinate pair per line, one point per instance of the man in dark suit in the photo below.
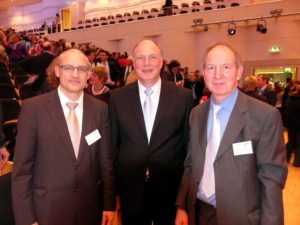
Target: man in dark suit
x,y
250,88
196,85
38,65
111,68
62,167
264,90
247,167
4,154
149,140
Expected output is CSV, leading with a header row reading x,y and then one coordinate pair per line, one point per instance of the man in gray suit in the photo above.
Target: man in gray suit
x,y
248,171
63,171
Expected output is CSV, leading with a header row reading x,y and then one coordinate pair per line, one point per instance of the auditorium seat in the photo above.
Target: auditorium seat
x,y
20,80
8,91
6,211
208,8
4,79
11,109
127,14
234,4
26,91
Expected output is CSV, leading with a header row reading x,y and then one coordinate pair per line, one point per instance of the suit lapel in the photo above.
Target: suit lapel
x,y
134,98
59,121
235,125
87,124
163,105
203,127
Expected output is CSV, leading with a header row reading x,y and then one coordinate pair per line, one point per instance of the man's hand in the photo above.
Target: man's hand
x,y
108,217
4,155
181,217
35,223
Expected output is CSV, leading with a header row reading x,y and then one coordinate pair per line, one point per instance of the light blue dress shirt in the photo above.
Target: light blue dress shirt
x,y
224,114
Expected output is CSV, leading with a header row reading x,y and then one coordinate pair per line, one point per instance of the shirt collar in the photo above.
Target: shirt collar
x,y
156,88
229,102
64,99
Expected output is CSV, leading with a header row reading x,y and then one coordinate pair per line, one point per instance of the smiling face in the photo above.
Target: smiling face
x,y
73,82
221,72
147,62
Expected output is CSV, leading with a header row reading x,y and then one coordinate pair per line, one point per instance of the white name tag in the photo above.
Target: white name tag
x,y
93,137
242,148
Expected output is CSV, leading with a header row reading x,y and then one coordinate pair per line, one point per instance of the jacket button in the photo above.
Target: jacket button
x,y
76,189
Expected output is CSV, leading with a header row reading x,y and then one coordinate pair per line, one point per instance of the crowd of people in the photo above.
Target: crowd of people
x,y
174,144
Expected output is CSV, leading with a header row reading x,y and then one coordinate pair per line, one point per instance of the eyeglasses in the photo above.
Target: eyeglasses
x,y
69,69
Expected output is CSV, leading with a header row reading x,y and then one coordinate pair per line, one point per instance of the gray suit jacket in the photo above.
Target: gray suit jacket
x,y
248,187
51,186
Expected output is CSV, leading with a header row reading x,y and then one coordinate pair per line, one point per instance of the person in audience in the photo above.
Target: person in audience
x,y
38,65
127,70
293,126
149,138
4,60
289,84
3,38
250,86
132,77
97,86
63,170
167,7
113,73
196,86
279,91
172,74
91,57
57,22
236,167
4,154
16,50
264,90
52,81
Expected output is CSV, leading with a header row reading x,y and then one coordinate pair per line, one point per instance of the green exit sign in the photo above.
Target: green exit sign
x,y
275,49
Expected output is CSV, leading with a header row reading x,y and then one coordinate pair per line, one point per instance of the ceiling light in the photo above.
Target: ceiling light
x,y
231,29
261,26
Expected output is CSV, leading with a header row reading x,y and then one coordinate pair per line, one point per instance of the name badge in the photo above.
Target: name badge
x,y
92,137
242,148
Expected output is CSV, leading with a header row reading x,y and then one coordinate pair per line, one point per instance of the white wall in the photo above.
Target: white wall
x,y
180,41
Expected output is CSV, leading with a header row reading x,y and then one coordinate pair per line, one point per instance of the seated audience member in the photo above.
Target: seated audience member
x,y
264,90
173,73
3,56
126,70
293,126
38,65
132,77
16,49
97,86
196,85
250,87
3,38
52,80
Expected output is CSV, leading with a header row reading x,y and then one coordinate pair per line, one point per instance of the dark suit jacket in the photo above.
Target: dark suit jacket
x,y
164,156
2,136
257,96
49,184
248,187
199,86
270,95
38,65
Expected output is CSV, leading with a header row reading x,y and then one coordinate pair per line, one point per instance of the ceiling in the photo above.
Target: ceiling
x,y
5,4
